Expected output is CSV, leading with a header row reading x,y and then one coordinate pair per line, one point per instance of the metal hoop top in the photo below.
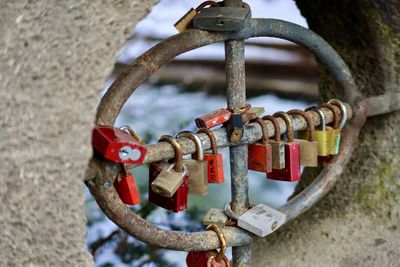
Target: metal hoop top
x,y
310,123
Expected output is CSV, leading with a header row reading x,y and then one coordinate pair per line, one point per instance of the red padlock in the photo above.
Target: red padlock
x,y
179,199
214,118
126,187
291,172
260,153
211,258
118,145
214,159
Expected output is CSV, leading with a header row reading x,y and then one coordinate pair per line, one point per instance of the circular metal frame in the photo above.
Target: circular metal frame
x,y
138,71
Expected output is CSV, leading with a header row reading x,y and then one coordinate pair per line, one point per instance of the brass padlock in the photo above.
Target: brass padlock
x,y
186,21
252,113
278,146
334,140
308,148
320,134
215,216
197,168
169,180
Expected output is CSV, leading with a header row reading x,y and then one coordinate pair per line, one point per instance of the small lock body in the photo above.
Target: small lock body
x,y
278,154
222,18
261,220
260,157
186,21
178,201
198,177
215,216
333,141
235,128
252,113
215,168
213,119
308,152
205,259
167,182
291,172
117,145
321,137
127,190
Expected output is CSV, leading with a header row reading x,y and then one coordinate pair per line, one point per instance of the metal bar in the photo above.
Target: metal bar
x,y
101,173
236,98
252,133
383,104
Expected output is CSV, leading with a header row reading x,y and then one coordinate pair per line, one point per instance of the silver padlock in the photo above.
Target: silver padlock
x,y
168,181
215,216
260,220
197,168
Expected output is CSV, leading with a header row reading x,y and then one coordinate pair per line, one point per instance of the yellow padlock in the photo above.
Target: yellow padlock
x,y
334,137
320,134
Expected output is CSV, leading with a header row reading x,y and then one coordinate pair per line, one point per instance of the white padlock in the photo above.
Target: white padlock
x,y
260,220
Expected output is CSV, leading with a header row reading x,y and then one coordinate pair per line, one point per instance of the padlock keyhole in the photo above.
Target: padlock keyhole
x,y
220,23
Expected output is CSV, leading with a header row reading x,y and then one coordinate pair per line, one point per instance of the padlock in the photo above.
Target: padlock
x,y
214,159
125,186
211,258
185,22
235,128
308,148
197,168
320,134
213,118
260,220
252,113
291,172
215,216
178,201
260,153
117,145
334,139
222,18
277,146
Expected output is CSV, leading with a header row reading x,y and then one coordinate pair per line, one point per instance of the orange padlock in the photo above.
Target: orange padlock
x,y
214,159
260,153
126,187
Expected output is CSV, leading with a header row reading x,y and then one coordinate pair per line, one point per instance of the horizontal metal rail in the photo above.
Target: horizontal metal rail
x,y
252,133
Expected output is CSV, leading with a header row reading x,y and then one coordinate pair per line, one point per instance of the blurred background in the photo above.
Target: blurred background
x,y
280,76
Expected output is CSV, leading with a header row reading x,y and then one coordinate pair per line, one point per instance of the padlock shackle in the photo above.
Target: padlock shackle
x,y
213,139
310,123
343,110
264,130
277,128
222,240
288,122
197,141
321,115
205,4
101,173
336,113
128,129
178,151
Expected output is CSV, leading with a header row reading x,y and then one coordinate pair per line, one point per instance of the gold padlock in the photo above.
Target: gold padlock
x,y
320,134
185,22
197,168
278,146
334,140
170,179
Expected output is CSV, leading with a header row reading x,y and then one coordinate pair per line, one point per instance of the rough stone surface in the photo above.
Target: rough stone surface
x,y
54,59
357,224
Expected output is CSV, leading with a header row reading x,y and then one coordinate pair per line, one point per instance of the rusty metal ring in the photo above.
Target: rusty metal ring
x,y
336,113
288,122
221,237
343,111
211,136
102,172
310,123
178,151
264,129
321,115
277,128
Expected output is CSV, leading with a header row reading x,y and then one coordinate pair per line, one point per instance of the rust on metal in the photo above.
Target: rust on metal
x,y
101,173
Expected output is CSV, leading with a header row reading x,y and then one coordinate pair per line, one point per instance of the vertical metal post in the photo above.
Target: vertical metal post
x,y
236,97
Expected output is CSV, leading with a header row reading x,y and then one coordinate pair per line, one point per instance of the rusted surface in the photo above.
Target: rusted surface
x,y
101,173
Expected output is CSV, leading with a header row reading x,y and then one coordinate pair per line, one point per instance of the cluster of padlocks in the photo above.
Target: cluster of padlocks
x,y
171,182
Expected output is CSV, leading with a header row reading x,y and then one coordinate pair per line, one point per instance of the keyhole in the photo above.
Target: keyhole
x,y
220,23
